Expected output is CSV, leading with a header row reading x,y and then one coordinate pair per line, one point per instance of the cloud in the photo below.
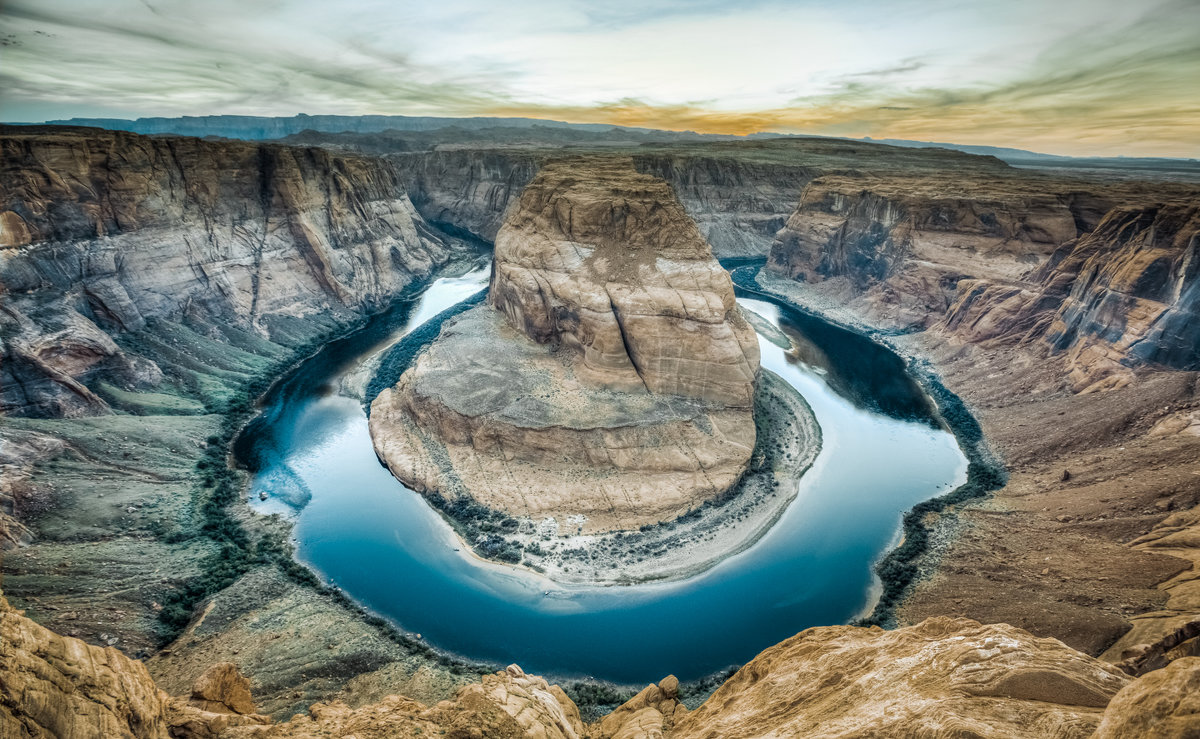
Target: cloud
x,y
1079,76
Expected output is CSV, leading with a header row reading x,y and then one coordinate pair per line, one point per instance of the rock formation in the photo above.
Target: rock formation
x,y
738,205
907,241
1127,294
55,686
1164,704
945,677
601,260
650,713
1106,278
469,190
102,231
505,704
222,689
242,236
611,376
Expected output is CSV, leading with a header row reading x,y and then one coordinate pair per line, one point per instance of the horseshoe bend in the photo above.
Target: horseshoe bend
x,y
407,426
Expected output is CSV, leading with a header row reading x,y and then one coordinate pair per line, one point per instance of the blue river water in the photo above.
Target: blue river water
x,y
359,527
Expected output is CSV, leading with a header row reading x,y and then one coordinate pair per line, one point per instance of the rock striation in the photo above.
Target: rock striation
x,y
604,261
610,376
944,677
470,191
1124,295
102,232
1104,276
905,242
738,204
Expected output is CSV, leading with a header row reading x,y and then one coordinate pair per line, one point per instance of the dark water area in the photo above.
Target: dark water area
x,y
360,528
860,370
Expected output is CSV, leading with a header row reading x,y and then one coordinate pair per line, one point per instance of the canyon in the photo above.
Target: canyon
x,y
153,286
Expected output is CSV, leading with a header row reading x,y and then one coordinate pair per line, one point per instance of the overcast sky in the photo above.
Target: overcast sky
x,y
1062,76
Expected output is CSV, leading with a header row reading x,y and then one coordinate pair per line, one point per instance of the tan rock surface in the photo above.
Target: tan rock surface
x,y
601,259
944,677
1175,627
222,689
522,433
1164,704
56,686
904,242
614,379
650,713
506,704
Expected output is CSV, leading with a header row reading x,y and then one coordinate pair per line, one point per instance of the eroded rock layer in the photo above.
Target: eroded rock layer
x,y
942,678
610,377
102,232
1125,295
906,242
601,259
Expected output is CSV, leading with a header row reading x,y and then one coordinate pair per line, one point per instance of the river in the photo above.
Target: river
x,y
358,527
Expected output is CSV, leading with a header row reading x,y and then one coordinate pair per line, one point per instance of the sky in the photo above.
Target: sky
x,y
1081,77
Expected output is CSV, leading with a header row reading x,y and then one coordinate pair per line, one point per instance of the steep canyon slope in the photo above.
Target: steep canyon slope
x,y
152,288
1065,314
102,232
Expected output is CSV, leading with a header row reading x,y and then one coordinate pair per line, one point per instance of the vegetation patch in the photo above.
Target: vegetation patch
x,y
401,355
898,571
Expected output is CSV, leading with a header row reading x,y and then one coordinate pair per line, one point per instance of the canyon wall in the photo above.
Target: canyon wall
x,y
256,237
738,205
468,190
102,232
739,194
903,244
1124,295
1008,261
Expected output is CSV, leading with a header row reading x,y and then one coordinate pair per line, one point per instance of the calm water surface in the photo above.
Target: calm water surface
x,y
358,526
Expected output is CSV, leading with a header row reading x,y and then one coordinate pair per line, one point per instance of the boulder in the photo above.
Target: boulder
x,y
1164,704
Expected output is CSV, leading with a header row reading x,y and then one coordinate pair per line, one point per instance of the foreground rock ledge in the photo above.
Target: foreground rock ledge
x,y
944,677
608,383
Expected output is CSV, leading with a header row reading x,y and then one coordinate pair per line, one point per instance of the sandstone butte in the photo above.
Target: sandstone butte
x,y
942,678
609,381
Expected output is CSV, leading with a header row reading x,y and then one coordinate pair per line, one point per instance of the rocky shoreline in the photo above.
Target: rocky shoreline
x,y
930,525
789,441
